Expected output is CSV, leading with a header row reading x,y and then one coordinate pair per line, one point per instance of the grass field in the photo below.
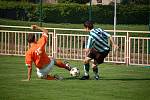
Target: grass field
x,y
74,26
118,82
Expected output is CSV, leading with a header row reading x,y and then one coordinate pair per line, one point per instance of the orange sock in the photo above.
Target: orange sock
x,y
50,77
60,64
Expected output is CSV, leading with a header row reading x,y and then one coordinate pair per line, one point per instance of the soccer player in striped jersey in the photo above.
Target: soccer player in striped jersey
x,y
37,54
97,48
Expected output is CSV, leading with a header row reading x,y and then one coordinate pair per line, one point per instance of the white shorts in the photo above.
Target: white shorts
x,y
42,73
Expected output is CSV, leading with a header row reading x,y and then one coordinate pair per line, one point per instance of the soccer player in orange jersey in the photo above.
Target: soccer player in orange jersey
x,y
37,54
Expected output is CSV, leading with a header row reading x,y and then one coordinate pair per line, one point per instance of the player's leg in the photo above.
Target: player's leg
x,y
60,64
86,67
99,59
55,77
50,77
95,71
43,73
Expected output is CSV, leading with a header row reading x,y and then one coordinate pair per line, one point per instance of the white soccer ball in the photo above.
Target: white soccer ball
x,y
75,72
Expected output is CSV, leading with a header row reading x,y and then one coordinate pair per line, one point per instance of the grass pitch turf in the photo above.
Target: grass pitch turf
x,y
118,82
131,27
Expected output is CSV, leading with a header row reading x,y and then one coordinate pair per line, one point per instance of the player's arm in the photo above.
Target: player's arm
x,y
43,40
40,28
29,72
113,43
28,62
111,40
89,44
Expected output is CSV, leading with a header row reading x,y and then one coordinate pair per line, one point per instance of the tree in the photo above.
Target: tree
x,y
146,2
74,1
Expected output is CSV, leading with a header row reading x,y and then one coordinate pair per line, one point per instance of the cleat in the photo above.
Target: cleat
x,y
66,62
68,65
85,78
97,77
57,77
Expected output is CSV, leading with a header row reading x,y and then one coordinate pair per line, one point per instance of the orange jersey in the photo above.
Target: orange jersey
x,y
37,53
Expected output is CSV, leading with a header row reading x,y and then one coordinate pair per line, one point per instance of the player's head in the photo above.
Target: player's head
x,y
88,25
31,38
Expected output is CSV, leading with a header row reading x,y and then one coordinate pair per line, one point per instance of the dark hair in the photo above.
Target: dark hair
x,y
88,24
31,38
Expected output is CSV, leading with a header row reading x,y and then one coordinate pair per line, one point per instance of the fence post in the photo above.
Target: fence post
x,y
127,49
148,44
54,44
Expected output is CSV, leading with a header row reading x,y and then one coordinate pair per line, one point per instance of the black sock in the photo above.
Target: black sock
x,y
86,69
95,70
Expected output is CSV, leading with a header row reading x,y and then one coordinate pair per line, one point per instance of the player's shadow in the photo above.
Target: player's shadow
x,y
126,79
72,78
102,78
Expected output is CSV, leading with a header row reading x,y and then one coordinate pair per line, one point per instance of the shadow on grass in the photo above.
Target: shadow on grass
x,y
126,79
72,78
120,79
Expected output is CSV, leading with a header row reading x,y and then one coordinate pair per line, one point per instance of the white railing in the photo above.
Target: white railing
x,y
69,44
139,50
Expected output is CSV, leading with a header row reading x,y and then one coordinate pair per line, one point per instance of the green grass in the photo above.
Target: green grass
x,y
80,26
119,82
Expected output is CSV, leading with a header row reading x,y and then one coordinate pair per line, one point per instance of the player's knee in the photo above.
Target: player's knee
x,y
94,66
41,76
85,61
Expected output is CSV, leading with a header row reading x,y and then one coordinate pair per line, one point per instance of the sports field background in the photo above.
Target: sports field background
x,y
118,82
130,27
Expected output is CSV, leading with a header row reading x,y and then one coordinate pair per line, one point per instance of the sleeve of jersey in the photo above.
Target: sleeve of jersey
x,y
107,34
103,32
28,59
43,40
90,42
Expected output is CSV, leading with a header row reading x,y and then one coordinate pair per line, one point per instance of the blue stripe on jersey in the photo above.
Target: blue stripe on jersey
x,y
98,39
90,42
101,46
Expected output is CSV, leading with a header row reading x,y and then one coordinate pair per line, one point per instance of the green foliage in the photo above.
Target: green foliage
x,y
146,2
16,10
74,1
75,26
133,13
65,13
75,13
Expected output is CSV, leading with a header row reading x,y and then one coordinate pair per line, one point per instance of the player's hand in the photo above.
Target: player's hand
x,y
86,50
33,27
115,47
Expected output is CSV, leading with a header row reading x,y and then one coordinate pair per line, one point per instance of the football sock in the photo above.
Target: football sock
x,y
50,77
95,70
60,64
86,69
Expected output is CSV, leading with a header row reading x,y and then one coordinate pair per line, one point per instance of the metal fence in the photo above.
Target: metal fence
x,y
134,46
139,50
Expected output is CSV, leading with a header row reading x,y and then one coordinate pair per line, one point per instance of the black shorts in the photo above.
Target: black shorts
x,y
97,56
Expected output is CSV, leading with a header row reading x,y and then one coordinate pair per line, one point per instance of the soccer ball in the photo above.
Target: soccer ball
x,y
75,72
